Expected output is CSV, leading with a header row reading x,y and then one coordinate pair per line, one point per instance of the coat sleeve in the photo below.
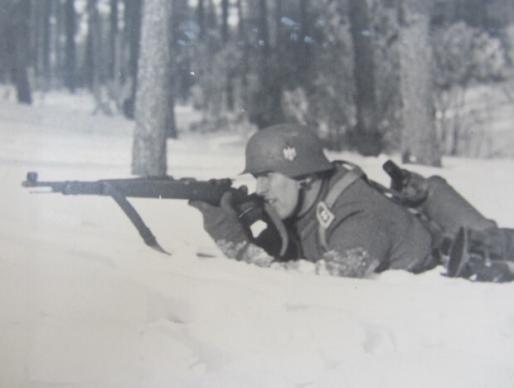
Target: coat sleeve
x,y
358,244
245,251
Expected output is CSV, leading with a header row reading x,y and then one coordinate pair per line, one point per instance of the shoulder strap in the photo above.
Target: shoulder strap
x,y
323,210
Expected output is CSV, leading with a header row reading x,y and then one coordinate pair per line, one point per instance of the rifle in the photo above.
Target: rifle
x,y
249,207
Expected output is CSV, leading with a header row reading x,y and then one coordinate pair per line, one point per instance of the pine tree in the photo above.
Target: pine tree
x,y
132,37
17,37
366,137
70,72
419,140
152,98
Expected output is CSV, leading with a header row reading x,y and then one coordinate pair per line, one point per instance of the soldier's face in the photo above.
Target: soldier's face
x,y
280,192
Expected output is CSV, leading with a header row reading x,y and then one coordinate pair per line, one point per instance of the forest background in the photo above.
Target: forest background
x,y
423,78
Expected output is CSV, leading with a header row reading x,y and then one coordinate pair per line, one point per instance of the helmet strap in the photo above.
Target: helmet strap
x,y
305,184
300,202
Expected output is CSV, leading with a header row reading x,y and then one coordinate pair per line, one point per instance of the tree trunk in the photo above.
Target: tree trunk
x,y
35,31
474,12
225,37
152,100
366,136
281,39
4,48
70,75
46,37
171,122
224,21
212,16
262,115
58,35
266,106
277,71
113,38
419,140
200,14
243,40
18,39
133,36
264,35
303,49
93,61
182,58
173,74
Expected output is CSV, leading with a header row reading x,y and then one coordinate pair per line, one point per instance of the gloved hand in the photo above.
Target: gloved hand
x,y
410,187
416,190
238,231
222,224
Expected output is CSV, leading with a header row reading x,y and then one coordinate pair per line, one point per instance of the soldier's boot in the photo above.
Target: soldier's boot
x,y
484,256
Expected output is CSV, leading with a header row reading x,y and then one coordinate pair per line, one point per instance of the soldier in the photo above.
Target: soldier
x,y
334,216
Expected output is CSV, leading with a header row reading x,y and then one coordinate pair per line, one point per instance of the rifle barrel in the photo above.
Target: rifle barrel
x,y
152,187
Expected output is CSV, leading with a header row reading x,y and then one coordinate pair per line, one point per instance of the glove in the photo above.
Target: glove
x,y
410,187
234,230
221,222
416,190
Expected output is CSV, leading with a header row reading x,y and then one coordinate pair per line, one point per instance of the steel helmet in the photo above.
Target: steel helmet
x,y
290,149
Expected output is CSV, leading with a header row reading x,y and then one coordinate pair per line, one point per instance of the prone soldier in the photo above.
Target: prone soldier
x,y
350,226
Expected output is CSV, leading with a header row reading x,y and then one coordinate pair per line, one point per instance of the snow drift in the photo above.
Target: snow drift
x,y
85,304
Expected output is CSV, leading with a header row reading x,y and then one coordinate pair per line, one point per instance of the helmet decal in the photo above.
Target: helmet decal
x,y
289,153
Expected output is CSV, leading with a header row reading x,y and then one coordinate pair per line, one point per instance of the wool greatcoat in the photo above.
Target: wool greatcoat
x,y
368,231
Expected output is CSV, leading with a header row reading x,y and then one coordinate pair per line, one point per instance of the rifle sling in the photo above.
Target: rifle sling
x,y
134,217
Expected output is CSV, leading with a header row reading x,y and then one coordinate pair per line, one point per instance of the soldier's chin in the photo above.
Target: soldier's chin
x,y
283,212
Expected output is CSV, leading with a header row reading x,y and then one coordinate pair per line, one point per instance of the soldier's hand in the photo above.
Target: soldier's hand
x,y
416,191
221,222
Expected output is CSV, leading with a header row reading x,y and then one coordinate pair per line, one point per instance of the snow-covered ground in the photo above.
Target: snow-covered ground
x,y
83,303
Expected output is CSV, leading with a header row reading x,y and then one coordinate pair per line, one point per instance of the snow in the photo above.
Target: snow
x,y
84,303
